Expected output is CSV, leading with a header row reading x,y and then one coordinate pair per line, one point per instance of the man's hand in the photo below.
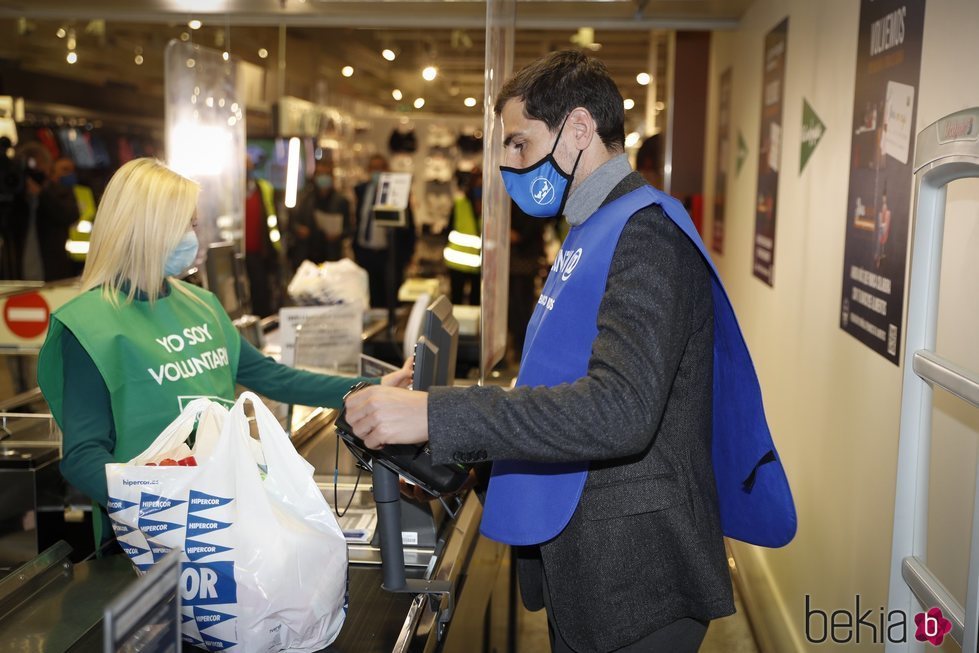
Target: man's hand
x,y
382,415
400,378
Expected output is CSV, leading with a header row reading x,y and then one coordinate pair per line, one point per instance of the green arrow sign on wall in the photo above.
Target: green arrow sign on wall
x,y
812,132
742,152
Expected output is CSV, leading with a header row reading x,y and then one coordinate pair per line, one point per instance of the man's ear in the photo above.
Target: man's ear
x,y
583,127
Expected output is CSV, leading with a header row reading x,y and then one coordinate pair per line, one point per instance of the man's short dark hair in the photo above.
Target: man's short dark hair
x,y
557,83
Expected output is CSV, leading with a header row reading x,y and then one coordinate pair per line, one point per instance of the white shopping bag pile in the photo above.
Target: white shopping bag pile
x,y
332,282
265,563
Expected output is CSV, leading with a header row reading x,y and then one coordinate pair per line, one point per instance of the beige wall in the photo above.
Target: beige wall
x,y
832,403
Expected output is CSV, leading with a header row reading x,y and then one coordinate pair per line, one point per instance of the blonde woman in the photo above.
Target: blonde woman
x,y
122,358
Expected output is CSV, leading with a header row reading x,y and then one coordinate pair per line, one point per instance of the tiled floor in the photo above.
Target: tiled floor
x,y
729,635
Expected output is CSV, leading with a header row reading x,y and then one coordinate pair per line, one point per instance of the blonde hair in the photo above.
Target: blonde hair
x,y
144,212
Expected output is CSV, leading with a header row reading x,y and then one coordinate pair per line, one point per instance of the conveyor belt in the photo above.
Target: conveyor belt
x,y
375,617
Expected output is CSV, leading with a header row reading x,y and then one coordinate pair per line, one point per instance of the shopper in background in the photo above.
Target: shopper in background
x,y
463,254
261,254
320,220
372,243
649,160
35,229
124,357
78,234
602,469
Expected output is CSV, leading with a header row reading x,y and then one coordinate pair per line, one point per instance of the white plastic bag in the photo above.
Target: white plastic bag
x,y
265,563
332,282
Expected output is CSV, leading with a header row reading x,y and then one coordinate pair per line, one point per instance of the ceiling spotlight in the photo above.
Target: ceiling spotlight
x,y
138,59
429,73
72,57
184,36
347,71
643,79
419,102
469,101
225,55
61,32
389,54
632,139
628,103
263,53
396,94
195,24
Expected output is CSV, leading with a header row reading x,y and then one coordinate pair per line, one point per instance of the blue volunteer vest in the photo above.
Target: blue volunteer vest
x,y
531,502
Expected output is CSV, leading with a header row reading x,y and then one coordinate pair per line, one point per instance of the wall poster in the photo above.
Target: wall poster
x,y
723,155
881,158
770,150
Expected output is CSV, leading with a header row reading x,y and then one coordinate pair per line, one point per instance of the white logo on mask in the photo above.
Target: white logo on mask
x,y
542,190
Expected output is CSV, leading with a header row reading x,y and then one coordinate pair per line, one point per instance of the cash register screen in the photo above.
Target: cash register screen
x,y
441,330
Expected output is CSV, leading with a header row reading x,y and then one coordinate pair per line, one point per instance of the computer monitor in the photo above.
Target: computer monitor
x,y
441,329
426,364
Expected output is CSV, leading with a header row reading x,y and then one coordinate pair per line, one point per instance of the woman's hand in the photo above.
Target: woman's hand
x,y
399,378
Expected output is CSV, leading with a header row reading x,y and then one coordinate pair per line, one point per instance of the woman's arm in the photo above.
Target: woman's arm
x,y
89,433
288,385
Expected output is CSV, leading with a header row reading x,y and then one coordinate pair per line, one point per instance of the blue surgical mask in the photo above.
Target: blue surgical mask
x,y
542,189
182,256
69,180
323,182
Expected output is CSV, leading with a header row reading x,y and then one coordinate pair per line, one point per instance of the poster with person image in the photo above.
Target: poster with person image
x,y
881,159
770,150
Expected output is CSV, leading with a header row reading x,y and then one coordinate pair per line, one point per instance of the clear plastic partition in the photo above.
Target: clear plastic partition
x,y
205,135
500,24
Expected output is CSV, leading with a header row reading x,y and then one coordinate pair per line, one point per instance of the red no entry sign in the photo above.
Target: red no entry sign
x,y
26,315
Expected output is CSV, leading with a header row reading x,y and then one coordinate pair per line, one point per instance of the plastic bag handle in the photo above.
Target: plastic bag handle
x,y
289,475
176,432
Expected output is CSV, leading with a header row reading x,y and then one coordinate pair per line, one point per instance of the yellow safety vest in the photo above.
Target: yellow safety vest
x,y
464,251
80,232
268,200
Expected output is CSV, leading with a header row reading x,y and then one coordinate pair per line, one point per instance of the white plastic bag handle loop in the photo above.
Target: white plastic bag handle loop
x,y
289,475
177,432
281,456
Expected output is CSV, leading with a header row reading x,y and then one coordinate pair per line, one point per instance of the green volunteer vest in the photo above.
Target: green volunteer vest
x,y
154,359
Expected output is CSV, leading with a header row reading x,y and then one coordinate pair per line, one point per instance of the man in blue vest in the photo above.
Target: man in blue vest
x,y
603,464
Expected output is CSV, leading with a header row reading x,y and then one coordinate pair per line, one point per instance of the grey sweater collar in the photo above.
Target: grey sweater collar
x,y
589,196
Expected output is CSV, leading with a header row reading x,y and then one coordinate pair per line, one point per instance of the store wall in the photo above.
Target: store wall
x,y
832,402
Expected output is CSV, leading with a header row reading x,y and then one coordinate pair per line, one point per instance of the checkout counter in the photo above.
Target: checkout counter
x,y
56,599
50,603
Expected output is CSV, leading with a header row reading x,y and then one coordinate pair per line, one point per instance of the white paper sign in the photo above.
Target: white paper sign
x,y
898,110
392,191
774,145
329,337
